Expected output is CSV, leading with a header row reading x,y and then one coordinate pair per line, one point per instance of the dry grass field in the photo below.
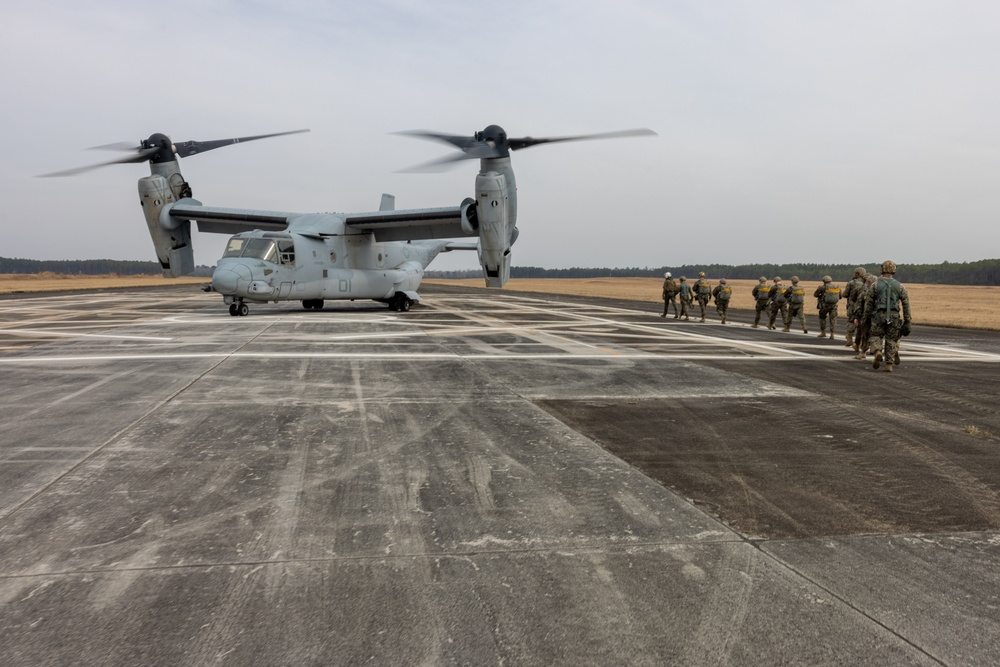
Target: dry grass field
x,y
13,283
964,306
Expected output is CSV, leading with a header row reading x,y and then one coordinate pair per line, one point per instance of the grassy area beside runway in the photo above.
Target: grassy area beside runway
x,y
963,306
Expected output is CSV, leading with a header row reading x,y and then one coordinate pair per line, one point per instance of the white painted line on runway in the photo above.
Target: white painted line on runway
x,y
37,332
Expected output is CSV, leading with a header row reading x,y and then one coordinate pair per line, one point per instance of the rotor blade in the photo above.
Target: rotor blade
x,y
459,142
527,142
188,148
117,146
141,156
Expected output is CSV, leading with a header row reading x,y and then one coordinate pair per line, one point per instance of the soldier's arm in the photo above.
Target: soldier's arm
x,y
904,299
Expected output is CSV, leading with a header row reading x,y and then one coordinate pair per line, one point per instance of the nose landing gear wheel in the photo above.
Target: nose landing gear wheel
x,y
234,309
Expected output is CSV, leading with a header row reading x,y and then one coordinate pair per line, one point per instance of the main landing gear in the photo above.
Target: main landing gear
x,y
315,304
400,303
239,309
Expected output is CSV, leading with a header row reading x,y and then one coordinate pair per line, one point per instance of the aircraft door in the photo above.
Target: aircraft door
x,y
284,290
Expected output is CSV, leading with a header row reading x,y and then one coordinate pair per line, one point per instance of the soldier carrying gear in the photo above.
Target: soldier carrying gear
x,y
670,290
761,295
685,293
854,297
722,293
827,297
796,295
888,305
702,292
777,302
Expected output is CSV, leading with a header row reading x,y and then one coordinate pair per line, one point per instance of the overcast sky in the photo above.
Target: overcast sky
x,y
789,131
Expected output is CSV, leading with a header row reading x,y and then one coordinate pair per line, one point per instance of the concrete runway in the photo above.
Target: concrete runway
x,y
491,478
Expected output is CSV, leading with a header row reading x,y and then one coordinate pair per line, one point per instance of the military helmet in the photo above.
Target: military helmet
x,y
701,274
683,278
795,279
762,279
827,279
777,279
666,275
888,266
722,281
860,272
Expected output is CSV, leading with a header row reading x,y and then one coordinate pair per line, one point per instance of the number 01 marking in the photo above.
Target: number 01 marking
x,y
345,285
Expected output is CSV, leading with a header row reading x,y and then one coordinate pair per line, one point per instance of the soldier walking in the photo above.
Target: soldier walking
x,y
670,290
778,303
854,297
685,294
828,296
702,292
888,304
796,295
722,293
761,296
863,322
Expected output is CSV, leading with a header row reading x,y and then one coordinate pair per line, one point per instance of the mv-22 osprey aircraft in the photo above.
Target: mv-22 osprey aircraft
x,y
312,257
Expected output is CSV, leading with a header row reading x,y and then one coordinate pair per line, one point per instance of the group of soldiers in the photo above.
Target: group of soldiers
x,y
878,307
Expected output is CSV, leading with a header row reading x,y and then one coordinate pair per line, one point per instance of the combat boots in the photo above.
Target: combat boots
x,y
888,368
895,358
877,361
786,330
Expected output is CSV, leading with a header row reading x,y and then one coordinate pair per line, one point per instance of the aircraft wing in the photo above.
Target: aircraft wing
x,y
215,220
410,225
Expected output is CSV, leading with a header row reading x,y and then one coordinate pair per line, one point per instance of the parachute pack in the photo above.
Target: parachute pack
x,y
887,294
831,295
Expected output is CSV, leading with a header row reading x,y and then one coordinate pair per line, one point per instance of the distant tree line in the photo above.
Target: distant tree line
x,y
983,272
88,267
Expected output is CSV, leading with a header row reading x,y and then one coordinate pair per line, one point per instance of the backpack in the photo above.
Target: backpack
x,y
763,292
831,295
670,285
704,288
887,294
724,294
779,296
796,295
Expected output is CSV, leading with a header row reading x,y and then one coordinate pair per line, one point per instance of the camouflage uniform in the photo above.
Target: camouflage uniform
x,y
670,290
854,297
702,293
796,295
685,293
761,296
888,304
722,293
777,303
863,324
827,295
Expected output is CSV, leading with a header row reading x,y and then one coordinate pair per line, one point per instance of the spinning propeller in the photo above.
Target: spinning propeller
x,y
493,142
158,148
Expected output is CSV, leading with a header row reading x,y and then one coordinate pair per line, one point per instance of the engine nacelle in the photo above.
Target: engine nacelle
x,y
171,238
494,234
470,217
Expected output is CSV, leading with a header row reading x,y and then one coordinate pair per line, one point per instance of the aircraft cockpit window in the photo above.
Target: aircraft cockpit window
x,y
235,247
286,251
261,249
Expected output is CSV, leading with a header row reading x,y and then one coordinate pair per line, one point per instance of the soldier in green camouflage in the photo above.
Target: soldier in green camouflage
x,y
686,295
796,296
828,296
722,293
761,296
862,322
854,297
888,305
777,303
670,290
702,292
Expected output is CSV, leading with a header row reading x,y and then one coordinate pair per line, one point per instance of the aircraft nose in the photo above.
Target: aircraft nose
x,y
225,281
